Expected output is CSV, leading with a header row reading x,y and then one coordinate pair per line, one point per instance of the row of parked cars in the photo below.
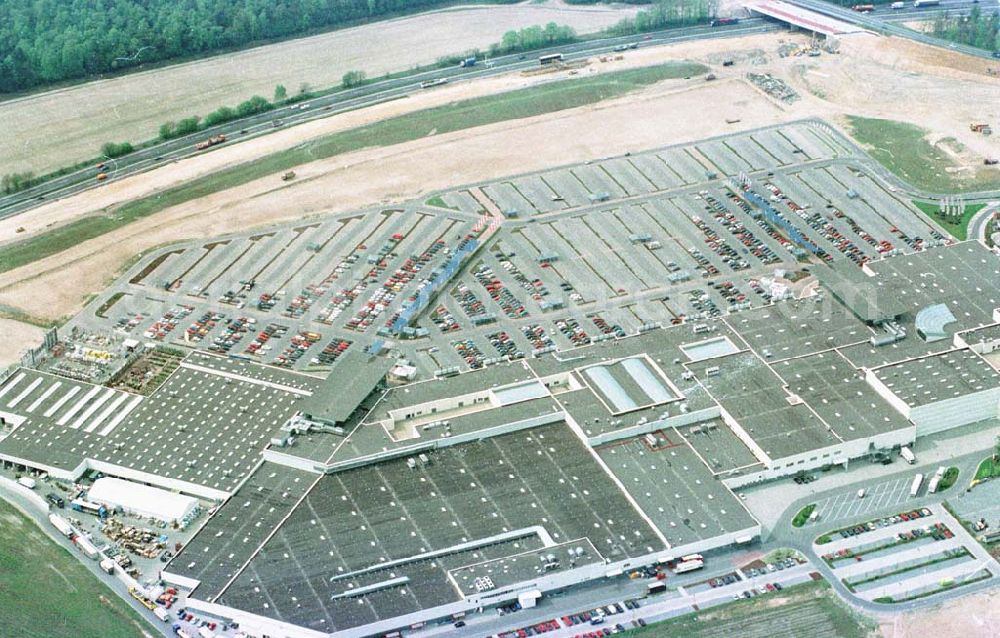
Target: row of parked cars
x,y
759,590
598,615
531,630
884,522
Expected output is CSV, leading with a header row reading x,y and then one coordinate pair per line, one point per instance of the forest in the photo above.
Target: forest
x,y
48,41
977,29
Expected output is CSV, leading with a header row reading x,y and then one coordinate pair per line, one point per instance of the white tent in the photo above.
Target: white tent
x,y
141,500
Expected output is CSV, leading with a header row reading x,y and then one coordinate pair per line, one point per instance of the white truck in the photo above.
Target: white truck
x,y
918,480
932,486
161,613
62,525
89,549
688,566
907,455
107,566
27,482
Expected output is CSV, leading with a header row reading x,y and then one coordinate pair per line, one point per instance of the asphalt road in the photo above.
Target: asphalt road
x,y
347,100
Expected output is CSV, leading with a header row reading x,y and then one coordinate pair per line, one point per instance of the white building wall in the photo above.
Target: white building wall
x,y
159,481
59,473
956,412
839,454
883,391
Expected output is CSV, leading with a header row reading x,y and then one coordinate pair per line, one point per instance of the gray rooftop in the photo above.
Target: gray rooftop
x,y
206,425
352,379
675,489
747,388
468,503
860,293
839,394
944,376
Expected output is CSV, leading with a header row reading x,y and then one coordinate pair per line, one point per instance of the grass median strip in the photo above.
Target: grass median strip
x,y
946,556
802,517
522,103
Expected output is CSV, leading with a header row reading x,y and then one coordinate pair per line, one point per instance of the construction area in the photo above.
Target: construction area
x,y
403,414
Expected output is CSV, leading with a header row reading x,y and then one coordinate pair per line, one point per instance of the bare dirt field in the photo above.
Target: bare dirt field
x,y
873,77
967,617
17,338
59,128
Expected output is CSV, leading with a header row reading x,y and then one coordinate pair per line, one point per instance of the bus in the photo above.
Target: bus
x,y
551,58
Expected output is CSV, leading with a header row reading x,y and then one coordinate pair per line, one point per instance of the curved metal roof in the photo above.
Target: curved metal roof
x,y
932,320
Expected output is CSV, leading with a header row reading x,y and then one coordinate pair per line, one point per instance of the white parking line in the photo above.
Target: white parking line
x,y
847,505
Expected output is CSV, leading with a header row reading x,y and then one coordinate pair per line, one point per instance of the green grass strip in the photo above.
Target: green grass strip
x,y
522,103
802,517
72,602
956,227
903,149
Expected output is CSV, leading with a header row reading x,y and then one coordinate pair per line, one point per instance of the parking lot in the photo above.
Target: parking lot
x,y
293,297
616,246
879,497
581,253
912,553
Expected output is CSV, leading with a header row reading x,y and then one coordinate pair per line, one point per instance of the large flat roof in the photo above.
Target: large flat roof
x,y
206,425
675,489
840,395
755,397
471,502
339,395
936,378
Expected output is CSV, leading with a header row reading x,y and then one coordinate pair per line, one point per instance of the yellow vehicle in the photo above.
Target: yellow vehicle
x,y
147,603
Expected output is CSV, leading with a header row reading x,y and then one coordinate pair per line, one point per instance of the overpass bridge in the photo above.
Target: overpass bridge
x,y
801,17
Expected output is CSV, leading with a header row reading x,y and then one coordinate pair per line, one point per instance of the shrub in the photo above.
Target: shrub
x,y
800,519
113,149
353,78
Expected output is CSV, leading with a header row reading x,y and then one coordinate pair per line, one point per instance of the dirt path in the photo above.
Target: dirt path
x,y
77,120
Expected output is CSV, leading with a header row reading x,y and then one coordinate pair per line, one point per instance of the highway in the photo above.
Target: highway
x,y
882,20
340,101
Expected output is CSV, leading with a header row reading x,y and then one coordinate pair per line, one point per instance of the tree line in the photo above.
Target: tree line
x,y
665,14
977,29
662,14
535,37
47,41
